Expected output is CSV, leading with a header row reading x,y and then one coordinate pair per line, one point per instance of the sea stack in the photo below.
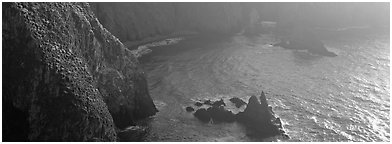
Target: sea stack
x,y
257,118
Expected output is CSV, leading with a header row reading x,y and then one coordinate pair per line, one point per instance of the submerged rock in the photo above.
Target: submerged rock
x,y
322,50
238,102
290,45
189,109
212,103
207,102
198,104
203,115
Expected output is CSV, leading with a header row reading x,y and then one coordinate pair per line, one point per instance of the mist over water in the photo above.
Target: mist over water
x,y
343,98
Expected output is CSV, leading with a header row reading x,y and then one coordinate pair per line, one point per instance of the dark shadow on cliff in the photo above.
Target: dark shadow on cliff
x,y
15,124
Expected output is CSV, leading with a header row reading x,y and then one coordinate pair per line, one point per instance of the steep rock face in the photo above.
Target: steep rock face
x,y
66,78
135,21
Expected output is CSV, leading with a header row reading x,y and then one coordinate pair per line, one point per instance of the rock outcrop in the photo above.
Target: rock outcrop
x,y
302,39
203,115
198,104
258,118
314,47
238,102
219,103
220,114
65,77
189,109
217,114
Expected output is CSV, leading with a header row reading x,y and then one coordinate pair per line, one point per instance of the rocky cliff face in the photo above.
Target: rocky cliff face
x,y
65,77
135,21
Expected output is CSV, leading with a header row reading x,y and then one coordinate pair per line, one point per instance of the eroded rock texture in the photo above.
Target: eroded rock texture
x,y
65,77
259,118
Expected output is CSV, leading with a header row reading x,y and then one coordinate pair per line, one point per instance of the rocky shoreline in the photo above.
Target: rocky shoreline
x,y
257,117
68,78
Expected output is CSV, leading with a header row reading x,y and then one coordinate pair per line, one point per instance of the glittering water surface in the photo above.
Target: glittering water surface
x,y
343,98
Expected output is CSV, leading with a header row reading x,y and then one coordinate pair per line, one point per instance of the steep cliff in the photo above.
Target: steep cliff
x,y
65,77
135,21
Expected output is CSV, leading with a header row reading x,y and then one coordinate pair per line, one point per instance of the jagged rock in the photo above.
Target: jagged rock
x,y
216,103
238,102
198,104
270,109
203,115
263,100
220,114
219,103
278,122
68,76
207,102
189,109
257,118
285,136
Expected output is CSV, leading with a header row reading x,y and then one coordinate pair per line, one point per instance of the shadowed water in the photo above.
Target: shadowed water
x,y
344,98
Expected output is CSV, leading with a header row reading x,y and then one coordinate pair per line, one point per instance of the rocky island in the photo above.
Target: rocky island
x,y
257,117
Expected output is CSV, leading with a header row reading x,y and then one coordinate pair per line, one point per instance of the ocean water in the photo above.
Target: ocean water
x,y
343,98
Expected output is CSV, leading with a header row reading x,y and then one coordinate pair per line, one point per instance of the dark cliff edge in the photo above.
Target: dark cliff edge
x,y
65,77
